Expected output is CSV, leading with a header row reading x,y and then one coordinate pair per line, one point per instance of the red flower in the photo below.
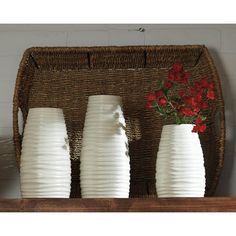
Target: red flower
x,y
187,112
198,121
171,76
190,101
210,94
195,129
159,93
202,128
204,83
168,84
177,74
197,87
151,97
148,105
162,102
184,77
177,67
178,77
210,85
181,93
199,128
196,109
198,97
203,105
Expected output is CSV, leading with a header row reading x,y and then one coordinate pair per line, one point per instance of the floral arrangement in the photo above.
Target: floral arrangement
x,y
177,98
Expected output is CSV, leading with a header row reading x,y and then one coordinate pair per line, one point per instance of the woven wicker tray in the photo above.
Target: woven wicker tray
x,y
65,77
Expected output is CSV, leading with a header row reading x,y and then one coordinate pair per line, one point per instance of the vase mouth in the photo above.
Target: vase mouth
x,y
103,97
179,125
176,127
45,108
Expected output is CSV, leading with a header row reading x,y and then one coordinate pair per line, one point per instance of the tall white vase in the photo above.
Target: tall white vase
x,y
180,168
104,168
45,170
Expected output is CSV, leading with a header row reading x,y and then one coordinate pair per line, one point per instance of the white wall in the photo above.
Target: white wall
x,y
221,40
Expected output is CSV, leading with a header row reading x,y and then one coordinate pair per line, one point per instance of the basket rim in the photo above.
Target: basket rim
x,y
130,48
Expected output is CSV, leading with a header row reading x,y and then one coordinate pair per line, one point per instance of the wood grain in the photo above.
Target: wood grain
x,y
120,205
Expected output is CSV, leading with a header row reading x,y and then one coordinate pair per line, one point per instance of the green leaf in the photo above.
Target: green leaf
x,y
177,119
160,83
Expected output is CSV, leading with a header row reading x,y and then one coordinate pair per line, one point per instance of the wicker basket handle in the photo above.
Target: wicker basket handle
x,y
16,133
217,122
25,62
219,127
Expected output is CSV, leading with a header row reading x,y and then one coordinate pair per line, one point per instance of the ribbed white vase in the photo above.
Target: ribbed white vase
x,y
180,168
105,164
45,170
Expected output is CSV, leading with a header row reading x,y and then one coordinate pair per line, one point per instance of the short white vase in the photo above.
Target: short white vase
x,y
180,168
45,170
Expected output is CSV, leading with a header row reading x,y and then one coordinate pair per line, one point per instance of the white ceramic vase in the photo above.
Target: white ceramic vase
x,y
45,170
180,168
105,166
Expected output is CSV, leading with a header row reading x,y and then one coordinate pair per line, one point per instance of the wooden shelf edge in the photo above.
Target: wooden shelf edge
x,y
213,204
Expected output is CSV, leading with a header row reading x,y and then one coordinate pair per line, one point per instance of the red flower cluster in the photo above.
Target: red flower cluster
x,y
193,98
199,126
158,97
178,74
186,101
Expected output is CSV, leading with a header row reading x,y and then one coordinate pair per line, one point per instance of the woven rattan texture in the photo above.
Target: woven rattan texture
x,y
65,77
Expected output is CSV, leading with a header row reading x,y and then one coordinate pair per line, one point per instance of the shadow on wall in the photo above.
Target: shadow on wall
x,y
224,187
9,175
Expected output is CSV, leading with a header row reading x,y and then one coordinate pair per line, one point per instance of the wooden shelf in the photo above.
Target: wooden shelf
x,y
215,204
